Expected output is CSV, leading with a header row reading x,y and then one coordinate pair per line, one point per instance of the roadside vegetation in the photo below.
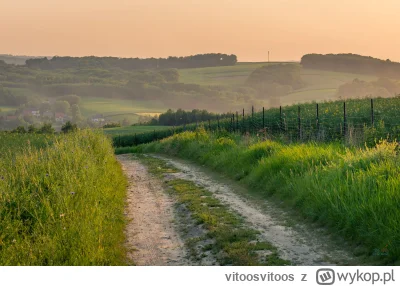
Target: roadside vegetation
x,y
62,199
352,191
229,239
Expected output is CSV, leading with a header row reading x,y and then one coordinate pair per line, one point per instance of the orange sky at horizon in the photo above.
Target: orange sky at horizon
x,y
162,28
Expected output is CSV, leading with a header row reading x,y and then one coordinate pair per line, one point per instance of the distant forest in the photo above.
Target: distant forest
x,y
195,61
352,63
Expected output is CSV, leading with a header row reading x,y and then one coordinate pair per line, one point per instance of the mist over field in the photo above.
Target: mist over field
x,y
129,90
201,133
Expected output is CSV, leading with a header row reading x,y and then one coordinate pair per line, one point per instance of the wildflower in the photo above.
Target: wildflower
x,y
62,215
14,240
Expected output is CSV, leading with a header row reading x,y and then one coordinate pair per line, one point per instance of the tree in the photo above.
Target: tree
x,y
47,128
32,129
125,122
61,106
45,106
76,113
71,99
19,129
170,75
69,127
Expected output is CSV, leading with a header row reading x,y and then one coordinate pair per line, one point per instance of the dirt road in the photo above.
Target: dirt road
x,y
300,244
151,233
156,238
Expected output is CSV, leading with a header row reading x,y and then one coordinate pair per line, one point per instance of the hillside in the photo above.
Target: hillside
x,y
126,94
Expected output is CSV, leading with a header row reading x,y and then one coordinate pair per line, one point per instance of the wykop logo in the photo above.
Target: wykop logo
x,y
325,276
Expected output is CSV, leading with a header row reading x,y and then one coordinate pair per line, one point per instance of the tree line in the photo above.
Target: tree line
x,y
194,61
352,63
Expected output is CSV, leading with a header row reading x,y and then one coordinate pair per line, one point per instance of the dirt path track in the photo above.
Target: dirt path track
x,y
151,232
299,244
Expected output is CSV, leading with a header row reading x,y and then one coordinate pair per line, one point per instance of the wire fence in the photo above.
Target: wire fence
x,y
351,121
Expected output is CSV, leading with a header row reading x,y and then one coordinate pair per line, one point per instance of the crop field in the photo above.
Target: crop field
x,y
62,199
323,183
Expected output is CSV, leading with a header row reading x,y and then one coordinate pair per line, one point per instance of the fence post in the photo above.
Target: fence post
x,y
243,128
237,121
218,122
263,118
372,113
252,119
299,121
317,119
209,125
233,122
280,119
344,119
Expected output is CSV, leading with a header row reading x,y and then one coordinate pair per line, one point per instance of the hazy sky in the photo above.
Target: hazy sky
x,y
161,28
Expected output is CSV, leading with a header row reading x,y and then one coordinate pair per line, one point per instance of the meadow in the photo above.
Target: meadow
x,y
320,85
62,200
133,129
351,191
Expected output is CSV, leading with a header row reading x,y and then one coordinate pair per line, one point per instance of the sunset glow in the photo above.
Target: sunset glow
x,y
162,28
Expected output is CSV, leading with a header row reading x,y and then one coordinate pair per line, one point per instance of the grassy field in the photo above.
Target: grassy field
x,y
351,191
109,106
62,200
133,129
320,85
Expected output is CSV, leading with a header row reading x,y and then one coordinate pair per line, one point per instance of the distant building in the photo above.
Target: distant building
x,y
98,118
60,117
31,112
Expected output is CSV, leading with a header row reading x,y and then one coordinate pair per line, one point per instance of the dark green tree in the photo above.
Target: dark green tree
x,y
69,127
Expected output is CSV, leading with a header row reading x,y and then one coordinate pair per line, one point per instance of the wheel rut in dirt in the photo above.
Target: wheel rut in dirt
x,y
300,244
152,238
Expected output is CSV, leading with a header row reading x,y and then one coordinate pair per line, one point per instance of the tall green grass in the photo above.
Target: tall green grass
x,y
352,191
62,200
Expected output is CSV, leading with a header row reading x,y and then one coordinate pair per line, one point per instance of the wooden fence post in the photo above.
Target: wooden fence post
x,y
344,120
237,121
317,119
252,119
299,121
243,128
281,119
263,118
372,113
233,122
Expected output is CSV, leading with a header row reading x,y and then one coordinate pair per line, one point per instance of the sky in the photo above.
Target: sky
x,y
162,28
